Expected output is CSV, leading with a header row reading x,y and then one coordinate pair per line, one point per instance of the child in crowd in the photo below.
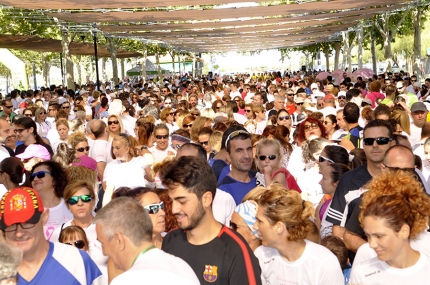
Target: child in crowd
x,y
74,236
269,160
336,245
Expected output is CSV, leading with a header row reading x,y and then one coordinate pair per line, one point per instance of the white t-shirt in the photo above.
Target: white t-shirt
x,y
43,128
261,126
316,266
160,155
58,215
157,267
415,136
308,182
296,165
375,271
223,207
126,174
99,151
329,110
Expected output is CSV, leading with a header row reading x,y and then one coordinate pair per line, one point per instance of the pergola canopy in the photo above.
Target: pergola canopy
x,y
51,45
201,27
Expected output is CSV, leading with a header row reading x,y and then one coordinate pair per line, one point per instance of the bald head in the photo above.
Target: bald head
x,y
98,128
399,156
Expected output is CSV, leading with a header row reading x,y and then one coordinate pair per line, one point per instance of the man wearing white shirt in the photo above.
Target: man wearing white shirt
x,y
419,114
234,91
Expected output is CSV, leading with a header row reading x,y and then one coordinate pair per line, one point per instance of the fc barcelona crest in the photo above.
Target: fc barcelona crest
x,y
211,273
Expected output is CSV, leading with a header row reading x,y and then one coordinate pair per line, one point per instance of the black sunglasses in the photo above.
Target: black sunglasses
x,y
78,243
270,157
284,118
39,175
187,125
162,137
65,107
204,143
399,168
379,141
113,122
82,149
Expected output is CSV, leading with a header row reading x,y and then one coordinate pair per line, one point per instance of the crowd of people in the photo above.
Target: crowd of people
x,y
248,179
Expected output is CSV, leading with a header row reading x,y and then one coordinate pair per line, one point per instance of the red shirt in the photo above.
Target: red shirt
x,y
290,108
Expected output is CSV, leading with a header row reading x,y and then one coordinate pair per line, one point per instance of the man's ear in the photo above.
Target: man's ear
x,y
207,199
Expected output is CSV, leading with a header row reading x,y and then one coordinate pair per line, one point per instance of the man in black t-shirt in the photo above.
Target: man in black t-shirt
x,y
378,138
217,254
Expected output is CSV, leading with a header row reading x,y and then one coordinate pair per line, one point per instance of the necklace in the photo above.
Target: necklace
x,y
142,253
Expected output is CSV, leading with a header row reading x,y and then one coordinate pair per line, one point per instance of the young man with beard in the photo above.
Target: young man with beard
x,y
217,254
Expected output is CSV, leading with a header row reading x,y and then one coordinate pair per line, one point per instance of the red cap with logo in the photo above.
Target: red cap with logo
x,y
20,205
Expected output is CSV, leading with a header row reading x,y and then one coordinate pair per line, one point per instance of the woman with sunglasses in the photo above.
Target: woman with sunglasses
x,y
336,154
79,144
13,174
330,125
309,129
283,118
167,116
28,113
187,123
74,236
152,203
216,105
115,126
134,170
49,179
81,200
283,224
43,126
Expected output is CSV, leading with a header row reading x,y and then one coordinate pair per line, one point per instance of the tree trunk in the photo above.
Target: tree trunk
x,y
345,54
337,46
79,57
157,61
144,57
360,47
194,65
104,75
173,62
122,69
327,60
179,64
416,58
45,71
113,46
373,51
66,40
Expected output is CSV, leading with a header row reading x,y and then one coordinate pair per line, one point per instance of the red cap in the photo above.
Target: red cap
x,y
20,205
328,97
278,79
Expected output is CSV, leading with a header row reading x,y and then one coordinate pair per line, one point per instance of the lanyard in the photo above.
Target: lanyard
x,y
142,253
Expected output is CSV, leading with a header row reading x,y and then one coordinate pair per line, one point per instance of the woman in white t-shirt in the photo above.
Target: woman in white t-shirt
x,y
127,169
286,257
394,211
49,179
43,126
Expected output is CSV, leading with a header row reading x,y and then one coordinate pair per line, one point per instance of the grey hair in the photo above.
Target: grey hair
x,y
127,216
81,115
10,259
88,127
75,124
